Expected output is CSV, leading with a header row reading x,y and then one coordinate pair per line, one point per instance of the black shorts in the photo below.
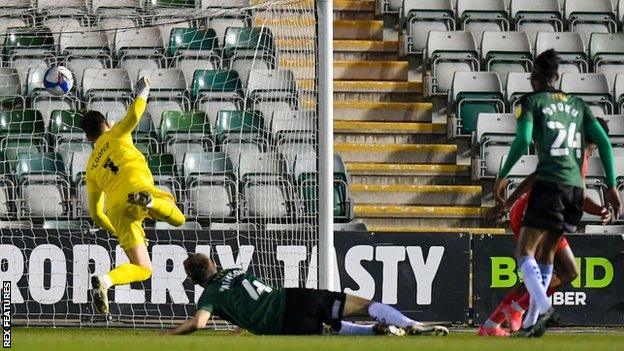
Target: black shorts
x,y
554,206
308,309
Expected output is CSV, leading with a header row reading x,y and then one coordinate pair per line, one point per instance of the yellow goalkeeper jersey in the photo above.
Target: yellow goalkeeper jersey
x,y
116,166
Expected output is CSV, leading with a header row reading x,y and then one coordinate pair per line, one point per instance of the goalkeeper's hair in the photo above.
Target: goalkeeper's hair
x,y
200,268
93,124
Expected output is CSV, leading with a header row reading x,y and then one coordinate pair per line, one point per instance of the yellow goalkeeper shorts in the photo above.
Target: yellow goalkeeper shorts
x,y
128,218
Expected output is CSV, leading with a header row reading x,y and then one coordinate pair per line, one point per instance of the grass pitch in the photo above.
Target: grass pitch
x,y
50,339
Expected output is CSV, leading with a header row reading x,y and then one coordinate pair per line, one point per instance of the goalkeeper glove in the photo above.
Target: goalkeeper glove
x,y
142,87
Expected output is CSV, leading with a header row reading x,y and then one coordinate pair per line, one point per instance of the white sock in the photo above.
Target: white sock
x,y
107,281
531,316
547,273
533,282
490,324
385,314
349,328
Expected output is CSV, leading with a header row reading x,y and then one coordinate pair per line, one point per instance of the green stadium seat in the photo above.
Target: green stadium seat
x,y
240,126
185,131
21,126
26,48
66,125
165,175
192,49
245,49
473,93
305,178
215,90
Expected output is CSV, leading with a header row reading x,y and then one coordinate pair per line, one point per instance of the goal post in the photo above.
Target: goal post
x,y
238,127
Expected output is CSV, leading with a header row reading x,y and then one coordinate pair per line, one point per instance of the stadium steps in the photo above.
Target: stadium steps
x,y
354,9
408,174
396,153
433,195
388,132
370,70
358,29
376,111
418,216
365,50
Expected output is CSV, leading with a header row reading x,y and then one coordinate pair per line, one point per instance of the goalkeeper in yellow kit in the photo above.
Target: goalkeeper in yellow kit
x,y
122,194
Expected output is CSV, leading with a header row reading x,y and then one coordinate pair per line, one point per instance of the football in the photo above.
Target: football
x,y
58,80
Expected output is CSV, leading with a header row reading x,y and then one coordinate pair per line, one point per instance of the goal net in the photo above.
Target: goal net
x,y
230,130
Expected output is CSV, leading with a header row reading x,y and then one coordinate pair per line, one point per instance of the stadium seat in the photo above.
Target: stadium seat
x,y
115,8
8,21
570,49
215,90
66,225
270,91
293,125
478,16
265,191
587,17
11,89
193,48
606,54
418,17
21,131
44,187
505,52
604,229
388,7
7,189
494,135
594,185
246,49
616,134
518,84
305,177
107,91
140,48
240,126
66,127
593,88
167,93
525,166
185,131
186,226
232,14
110,25
210,175
84,49
234,149
447,53
61,8
163,168
44,102
473,93
28,48
14,7
618,96
534,16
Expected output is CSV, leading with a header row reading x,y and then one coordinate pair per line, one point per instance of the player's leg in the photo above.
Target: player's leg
x,y
358,307
159,204
132,239
525,253
507,309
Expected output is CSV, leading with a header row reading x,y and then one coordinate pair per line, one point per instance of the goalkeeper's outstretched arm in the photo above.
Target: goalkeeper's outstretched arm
x,y
96,207
136,109
192,325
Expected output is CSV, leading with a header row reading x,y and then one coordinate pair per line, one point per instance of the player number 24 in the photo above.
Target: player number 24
x,y
255,288
570,137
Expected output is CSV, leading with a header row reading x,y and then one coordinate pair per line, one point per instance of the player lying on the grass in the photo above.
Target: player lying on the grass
x,y
516,301
242,299
559,124
121,194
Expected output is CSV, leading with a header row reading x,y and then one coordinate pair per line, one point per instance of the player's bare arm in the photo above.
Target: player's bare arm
x,y
522,189
192,325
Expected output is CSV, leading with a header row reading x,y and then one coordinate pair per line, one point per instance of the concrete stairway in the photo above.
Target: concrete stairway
x,y
405,175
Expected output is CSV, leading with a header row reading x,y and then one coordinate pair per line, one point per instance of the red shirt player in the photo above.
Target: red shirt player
x,y
517,300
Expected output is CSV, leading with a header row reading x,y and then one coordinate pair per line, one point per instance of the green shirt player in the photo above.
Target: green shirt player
x,y
559,124
243,299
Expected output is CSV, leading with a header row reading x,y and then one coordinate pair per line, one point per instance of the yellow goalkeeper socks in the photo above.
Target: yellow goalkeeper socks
x,y
166,211
128,273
